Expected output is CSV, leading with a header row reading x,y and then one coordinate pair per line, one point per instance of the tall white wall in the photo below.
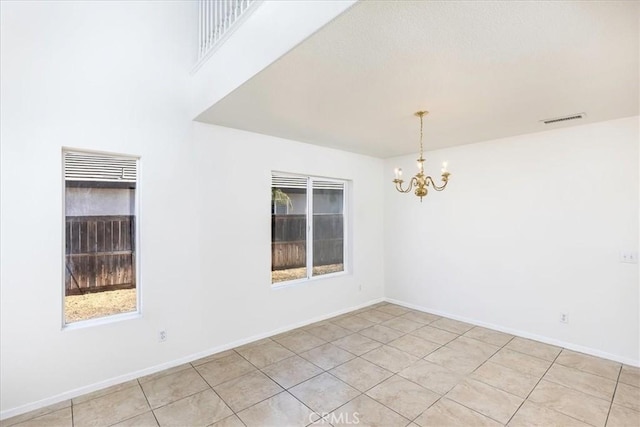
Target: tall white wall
x,y
114,76
529,227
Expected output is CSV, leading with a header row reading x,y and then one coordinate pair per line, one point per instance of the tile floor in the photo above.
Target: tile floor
x,y
383,365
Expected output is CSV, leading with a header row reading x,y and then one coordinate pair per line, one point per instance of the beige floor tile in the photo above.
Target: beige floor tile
x,y
363,309
145,420
573,403
438,336
630,375
460,361
330,332
591,364
394,310
224,369
451,325
390,358
381,333
521,362
402,324
489,336
628,396
59,418
173,387
214,356
414,345
403,396
292,371
281,410
619,416
105,391
111,408
534,348
327,356
378,304
300,341
474,347
366,412
201,409
254,343
420,317
357,344
163,373
361,374
533,415
447,413
247,390
505,379
375,316
265,354
431,376
496,404
353,323
324,393
585,382
36,413
232,421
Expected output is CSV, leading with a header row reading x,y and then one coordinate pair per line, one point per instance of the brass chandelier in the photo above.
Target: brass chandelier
x,y
420,181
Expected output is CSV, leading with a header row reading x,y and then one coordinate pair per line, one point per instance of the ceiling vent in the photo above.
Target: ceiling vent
x,y
565,118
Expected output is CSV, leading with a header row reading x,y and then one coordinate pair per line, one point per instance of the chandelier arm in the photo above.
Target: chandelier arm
x,y
411,183
433,184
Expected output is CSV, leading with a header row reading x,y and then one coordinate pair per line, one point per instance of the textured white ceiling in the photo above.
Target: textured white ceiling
x,y
484,70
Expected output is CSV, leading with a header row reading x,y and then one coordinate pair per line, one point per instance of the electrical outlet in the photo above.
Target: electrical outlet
x,y
564,318
162,336
629,257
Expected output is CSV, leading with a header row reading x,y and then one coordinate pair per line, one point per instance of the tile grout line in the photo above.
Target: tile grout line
x,y
214,392
534,387
467,375
613,396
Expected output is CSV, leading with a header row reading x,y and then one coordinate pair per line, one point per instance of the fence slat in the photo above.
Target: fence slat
x,y
99,253
288,240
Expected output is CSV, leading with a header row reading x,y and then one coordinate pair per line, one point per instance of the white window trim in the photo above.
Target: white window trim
x,y
81,324
346,270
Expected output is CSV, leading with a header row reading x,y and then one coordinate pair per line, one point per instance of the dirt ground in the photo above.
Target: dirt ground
x,y
99,304
298,273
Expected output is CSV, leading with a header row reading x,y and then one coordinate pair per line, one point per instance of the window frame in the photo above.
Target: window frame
x,y
346,241
80,324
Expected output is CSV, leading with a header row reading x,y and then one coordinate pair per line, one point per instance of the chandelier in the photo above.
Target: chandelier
x,y
420,181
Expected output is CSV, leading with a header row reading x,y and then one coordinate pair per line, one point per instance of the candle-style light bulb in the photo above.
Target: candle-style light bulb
x,y
397,172
444,167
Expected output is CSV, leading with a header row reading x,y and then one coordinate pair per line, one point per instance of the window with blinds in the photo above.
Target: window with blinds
x,y
307,227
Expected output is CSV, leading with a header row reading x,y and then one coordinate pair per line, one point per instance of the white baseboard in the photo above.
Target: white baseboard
x,y
523,334
9,413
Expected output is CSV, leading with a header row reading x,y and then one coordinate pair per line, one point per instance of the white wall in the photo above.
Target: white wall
x,y
529,227
114,76
234,170
270,31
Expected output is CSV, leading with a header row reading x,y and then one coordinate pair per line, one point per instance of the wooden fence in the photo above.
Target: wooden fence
x,y
100,253
288,237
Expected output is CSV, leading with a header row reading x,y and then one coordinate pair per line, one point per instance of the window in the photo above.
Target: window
x,y
307,227
100,239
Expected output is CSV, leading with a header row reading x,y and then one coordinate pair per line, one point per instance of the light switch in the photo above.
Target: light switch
x,y
629,257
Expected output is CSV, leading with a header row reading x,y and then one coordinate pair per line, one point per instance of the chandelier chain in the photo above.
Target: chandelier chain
x,y
421,149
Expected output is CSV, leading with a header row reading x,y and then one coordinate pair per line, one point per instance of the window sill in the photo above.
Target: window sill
x,y
101,321
308,280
